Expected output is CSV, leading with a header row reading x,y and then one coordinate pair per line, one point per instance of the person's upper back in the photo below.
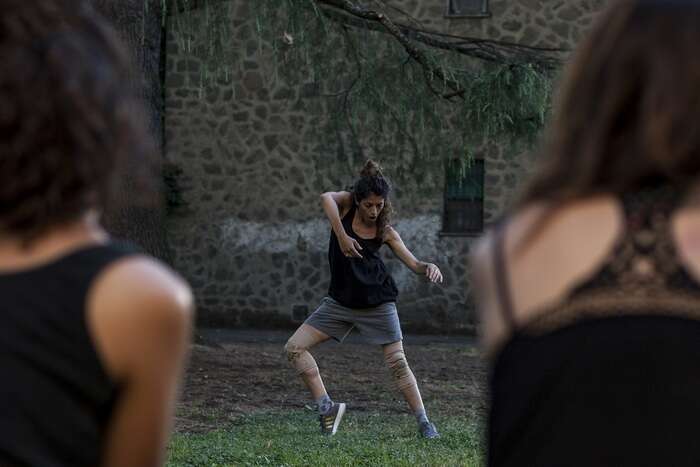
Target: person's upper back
x,y
595,332
56,397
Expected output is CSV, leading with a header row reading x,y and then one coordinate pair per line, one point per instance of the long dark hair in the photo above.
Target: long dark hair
x,y
373,181
69,115
627,114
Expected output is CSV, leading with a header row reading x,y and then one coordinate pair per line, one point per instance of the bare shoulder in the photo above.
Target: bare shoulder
x,y
493,330
563,243
390,234
519,225
144,280
137,305
344,196
686,231
515,225
343,199
480,253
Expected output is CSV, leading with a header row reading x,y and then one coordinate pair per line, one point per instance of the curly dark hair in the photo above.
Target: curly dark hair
x,y
373,181
69,115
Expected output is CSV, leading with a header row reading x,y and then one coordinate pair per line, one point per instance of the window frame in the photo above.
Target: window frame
x,y
484,13
446,200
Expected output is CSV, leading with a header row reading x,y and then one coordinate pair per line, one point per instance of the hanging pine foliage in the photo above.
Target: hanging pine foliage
x,y
392,90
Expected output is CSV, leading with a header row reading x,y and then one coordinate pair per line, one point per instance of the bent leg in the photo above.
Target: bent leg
x,y
297,350
406,383
403,376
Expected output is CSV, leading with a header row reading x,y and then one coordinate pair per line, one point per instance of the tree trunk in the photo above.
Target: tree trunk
x,y
139,24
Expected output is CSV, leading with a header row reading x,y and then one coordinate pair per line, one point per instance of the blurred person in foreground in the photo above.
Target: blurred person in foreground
x,y
93,336
588,291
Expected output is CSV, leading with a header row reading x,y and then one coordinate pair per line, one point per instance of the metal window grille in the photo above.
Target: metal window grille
x,y
467,9
464,199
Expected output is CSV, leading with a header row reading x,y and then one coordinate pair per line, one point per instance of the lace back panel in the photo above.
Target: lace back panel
x,y
641,276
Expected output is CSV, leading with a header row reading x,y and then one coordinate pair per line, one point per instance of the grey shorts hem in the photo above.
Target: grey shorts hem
x,y
383,340
378,325
326,330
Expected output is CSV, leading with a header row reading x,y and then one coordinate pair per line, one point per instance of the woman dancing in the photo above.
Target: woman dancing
x,y
362,294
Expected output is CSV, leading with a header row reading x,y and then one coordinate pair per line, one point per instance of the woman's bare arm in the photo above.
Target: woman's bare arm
x,y
335,205
140,317
393,239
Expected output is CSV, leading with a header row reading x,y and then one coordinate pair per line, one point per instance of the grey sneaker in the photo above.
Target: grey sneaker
x,y
428,430
331,420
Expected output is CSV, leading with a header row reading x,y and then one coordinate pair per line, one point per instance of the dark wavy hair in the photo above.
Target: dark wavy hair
x,y
628,110
69,117
626,116
372,181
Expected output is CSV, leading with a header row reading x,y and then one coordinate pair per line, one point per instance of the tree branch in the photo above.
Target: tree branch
x,y
347,11
410,48
345,106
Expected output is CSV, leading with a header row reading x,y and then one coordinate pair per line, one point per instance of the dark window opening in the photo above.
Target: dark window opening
x,y
467,9
464,198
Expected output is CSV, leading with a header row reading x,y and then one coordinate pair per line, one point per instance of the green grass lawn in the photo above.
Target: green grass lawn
x,y
293,439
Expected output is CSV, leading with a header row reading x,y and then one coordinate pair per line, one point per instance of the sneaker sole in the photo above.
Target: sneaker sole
x,y
338,418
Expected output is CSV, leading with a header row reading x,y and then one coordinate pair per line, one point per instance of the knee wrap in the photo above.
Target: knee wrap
x,y
403,376
300,358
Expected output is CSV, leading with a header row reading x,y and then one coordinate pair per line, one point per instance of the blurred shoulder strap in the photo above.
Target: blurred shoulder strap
x,y
501,274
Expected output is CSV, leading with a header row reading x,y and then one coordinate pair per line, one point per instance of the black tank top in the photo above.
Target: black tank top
x,y
55,397
359,282
610,376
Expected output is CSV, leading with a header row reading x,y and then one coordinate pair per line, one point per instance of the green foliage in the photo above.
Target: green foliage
x,y
292,439
463,181
374,89
208,44
370,94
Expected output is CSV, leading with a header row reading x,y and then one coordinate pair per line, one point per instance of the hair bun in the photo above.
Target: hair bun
x,y
371,169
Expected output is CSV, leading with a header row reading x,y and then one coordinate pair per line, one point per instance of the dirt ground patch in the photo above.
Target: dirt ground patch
x,y
244,375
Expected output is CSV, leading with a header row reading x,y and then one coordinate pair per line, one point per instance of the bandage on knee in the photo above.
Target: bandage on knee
x,y
300,358
403,376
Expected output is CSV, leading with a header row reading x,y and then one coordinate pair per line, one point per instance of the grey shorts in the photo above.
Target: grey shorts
x,y
378,325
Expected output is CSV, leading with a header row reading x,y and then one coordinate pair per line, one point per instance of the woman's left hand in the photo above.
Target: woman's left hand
x,y
433,273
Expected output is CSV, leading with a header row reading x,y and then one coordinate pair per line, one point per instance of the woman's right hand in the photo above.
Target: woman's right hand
x,y
349,246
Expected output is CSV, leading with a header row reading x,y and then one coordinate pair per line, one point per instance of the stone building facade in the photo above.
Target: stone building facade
x,y
251,236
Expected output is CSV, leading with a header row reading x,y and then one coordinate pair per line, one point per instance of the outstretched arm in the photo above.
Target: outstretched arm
x,y
393,239
335,203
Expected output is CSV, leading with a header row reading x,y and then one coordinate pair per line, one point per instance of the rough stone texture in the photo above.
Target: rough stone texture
x,y
529,22
252,239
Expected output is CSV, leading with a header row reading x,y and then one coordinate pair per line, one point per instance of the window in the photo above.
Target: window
x,y
464,198
467,9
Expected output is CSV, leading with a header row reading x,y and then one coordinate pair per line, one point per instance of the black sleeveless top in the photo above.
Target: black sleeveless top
x,y
611,376
359,282
55,397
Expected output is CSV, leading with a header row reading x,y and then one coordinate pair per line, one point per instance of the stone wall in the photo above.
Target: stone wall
x,y
252,238
540,23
